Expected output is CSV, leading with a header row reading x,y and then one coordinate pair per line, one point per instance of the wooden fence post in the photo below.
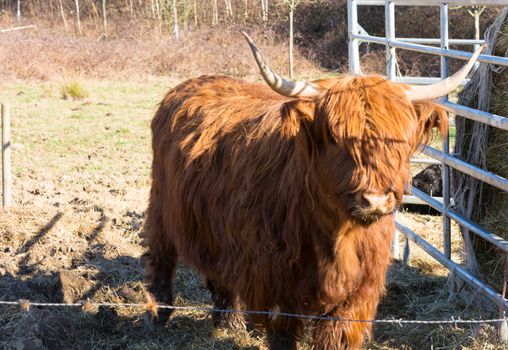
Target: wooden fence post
x,y
6,156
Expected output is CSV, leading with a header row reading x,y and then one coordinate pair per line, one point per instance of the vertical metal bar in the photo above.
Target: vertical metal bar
x,y
6,156
395,242
443,10
390,74
354,54
390,35
406,252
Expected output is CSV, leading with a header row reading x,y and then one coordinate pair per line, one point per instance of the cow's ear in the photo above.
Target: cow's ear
x,y
430,116
294,113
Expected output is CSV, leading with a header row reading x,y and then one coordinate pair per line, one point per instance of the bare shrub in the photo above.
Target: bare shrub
x,y
51,53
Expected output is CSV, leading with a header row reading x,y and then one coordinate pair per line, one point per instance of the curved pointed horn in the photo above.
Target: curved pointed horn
x,y
279,84
445,86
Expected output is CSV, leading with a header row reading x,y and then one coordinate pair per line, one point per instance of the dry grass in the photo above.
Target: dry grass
x,y
74,90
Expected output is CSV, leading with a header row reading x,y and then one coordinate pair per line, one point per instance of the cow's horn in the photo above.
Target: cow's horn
x,y
445,86
279,84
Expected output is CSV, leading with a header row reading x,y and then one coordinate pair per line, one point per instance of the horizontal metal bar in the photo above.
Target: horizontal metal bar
x,y
471,226
449,2
453,267
423,80
494,120
417,80
415,200
434,2
438,41
370,38
461,55
371,2
466,168
424,161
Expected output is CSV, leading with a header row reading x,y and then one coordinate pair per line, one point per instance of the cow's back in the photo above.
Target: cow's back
x,y
224,172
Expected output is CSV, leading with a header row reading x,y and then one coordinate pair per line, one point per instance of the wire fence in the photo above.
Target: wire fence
x,y
152,307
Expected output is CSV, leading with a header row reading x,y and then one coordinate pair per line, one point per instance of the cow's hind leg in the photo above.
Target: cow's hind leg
x,y
161,270
160,264
223,299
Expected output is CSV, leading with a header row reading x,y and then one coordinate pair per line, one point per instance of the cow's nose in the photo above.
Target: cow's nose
x,y
378,204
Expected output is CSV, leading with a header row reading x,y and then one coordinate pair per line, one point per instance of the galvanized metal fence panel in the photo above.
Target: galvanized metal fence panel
x,y
356,36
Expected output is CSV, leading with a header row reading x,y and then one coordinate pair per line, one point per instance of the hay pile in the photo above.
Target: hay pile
x,y
487,148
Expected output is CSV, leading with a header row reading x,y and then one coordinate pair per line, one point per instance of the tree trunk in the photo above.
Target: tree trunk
x,y
245,9
63,17
290,61
95,14
18,11
215,13
195,14
78,21
104,20
186,13
264,10
175,21
157,10
229,9
477,26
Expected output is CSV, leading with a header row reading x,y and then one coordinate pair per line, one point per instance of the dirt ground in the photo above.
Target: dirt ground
x,y
81,179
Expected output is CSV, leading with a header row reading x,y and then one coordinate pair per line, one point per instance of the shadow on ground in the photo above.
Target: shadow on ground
x,y
415,295
92,270
92,265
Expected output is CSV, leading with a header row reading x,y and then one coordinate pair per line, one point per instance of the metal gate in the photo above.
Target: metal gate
x,y
357,36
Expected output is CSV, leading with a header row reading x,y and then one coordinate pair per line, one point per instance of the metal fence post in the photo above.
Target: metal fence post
x,y
354,54
448,160
6,156
391,74
391,59
443,10
395,242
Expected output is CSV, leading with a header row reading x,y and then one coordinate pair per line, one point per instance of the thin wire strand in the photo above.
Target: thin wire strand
x,y
452,321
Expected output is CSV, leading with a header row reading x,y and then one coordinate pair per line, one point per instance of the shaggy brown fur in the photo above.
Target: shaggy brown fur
x,y
256,190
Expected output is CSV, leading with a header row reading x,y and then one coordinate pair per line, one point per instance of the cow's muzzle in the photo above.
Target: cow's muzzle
x,y
369,207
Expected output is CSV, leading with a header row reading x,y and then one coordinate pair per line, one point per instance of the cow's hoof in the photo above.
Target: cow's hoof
x,y
150,321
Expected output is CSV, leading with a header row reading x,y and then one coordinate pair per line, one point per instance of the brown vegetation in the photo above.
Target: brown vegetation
x,y
50,54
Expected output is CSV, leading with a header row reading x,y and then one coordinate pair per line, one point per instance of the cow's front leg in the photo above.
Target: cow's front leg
x,y
337,335
282,332
223,299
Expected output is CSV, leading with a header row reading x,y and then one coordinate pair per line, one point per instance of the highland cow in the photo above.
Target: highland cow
x,y
429,181
282,196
